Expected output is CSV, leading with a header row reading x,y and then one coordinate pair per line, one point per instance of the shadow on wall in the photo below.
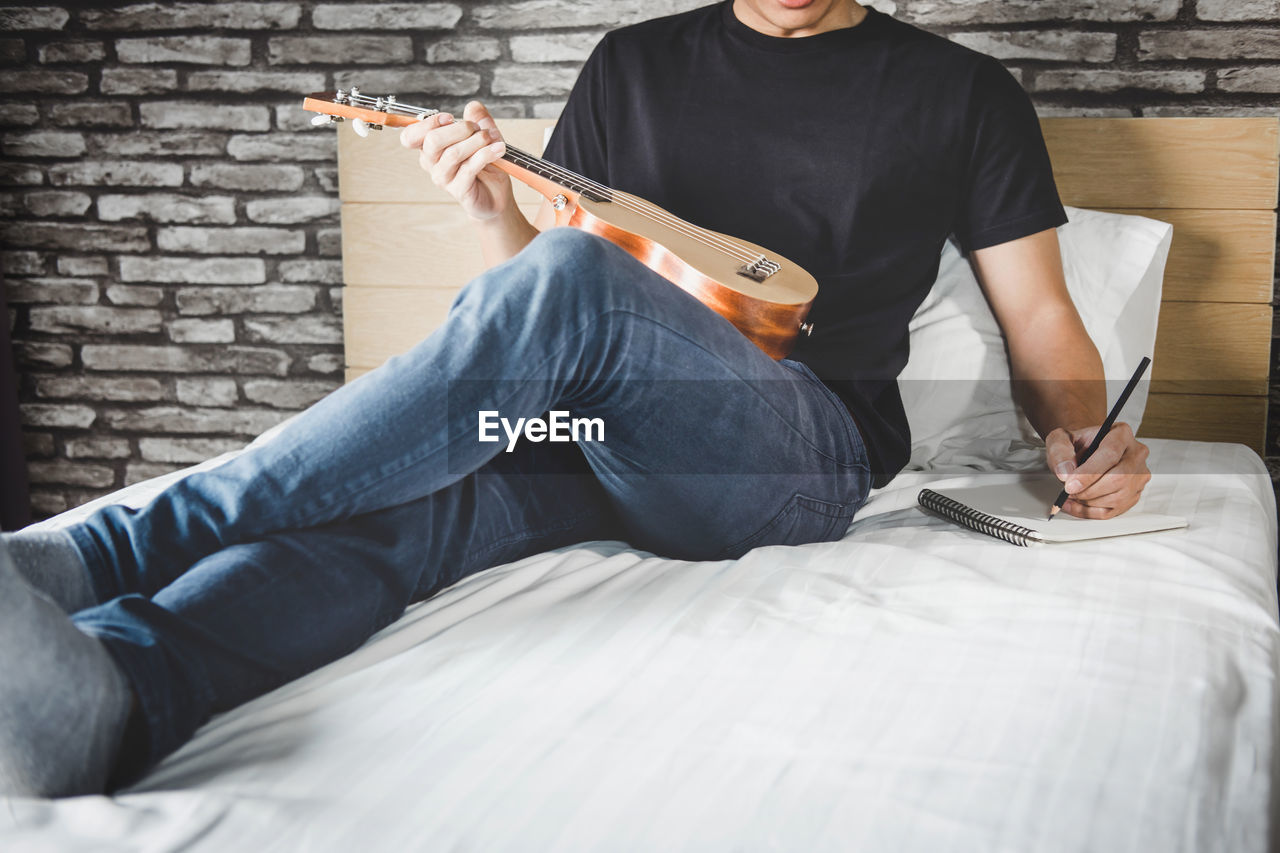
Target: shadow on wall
x,y
15,510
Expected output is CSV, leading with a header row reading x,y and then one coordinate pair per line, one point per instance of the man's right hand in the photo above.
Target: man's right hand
x,y
459,157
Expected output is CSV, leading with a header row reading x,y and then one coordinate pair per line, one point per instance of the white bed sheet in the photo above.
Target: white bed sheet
x,y
915,686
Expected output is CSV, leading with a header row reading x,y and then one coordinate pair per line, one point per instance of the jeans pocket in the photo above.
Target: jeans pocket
x,y
801,520
855,455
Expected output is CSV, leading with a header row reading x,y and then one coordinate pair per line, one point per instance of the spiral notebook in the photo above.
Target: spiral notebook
x,y
1015,512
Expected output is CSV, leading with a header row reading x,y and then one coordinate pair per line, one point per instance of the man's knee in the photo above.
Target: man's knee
x,y
567,244
561,268
578,265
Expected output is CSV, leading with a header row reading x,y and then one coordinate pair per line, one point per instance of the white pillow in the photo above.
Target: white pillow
x,y
956,387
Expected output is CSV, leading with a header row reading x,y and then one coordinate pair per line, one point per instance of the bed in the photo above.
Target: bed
x,y
914,686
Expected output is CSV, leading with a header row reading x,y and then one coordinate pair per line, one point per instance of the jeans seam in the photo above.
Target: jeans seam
x,y
850,427
732,547
839,510
527,533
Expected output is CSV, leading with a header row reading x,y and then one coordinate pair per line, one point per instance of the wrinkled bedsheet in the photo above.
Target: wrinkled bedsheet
x,y
916,686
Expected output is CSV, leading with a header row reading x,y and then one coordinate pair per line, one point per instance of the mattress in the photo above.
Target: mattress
x,y
915,686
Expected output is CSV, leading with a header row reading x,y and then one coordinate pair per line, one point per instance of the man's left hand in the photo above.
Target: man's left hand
x,y
1110,481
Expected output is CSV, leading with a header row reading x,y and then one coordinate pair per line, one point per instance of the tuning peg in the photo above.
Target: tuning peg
x,y
323,119
362,127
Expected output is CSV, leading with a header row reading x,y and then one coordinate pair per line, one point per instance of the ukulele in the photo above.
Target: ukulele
x,y
764,295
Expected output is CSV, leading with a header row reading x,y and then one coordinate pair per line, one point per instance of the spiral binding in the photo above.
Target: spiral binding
x,y
973,519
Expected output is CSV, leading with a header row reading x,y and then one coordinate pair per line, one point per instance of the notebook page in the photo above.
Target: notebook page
x,y
1027,503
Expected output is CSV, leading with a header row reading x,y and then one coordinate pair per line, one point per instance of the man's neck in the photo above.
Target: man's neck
x,y
773,18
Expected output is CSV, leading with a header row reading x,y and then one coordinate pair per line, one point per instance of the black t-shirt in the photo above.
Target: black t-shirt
x,y
854,153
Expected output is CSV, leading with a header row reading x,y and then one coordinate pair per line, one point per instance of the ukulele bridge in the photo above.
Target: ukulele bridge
x,y
759,269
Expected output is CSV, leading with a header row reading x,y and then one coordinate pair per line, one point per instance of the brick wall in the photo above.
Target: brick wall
x,y
171,248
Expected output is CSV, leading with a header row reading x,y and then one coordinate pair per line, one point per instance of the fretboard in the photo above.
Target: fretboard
x,y
558,174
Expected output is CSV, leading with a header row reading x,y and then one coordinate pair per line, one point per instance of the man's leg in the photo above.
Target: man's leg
x,y
693,413
711,448
253,616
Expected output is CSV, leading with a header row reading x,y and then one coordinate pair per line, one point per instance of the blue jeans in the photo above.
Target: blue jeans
x,y
240,578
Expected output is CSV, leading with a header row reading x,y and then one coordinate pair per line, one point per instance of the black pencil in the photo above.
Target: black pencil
x,y
1104,429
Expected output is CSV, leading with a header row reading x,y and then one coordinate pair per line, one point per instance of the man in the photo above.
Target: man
x,y
842,139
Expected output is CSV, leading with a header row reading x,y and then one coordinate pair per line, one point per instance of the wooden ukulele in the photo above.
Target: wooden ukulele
x,y
763,294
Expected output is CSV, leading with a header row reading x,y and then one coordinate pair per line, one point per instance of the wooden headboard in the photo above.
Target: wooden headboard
x,y
407,249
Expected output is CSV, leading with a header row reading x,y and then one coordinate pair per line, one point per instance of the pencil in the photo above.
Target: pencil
x,y
1103,430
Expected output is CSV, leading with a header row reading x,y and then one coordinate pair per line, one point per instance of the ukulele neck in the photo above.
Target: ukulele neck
x,y
561,186
549,179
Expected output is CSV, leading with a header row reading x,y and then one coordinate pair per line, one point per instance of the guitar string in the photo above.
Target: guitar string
x,y
639,206
370,101
645,209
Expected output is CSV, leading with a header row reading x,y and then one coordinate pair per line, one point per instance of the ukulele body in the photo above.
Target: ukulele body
x,y
706,265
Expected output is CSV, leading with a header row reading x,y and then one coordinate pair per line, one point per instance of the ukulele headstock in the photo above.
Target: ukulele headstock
x,y
365,112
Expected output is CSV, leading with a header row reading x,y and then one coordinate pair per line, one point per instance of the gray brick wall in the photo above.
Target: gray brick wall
x,y
169,221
